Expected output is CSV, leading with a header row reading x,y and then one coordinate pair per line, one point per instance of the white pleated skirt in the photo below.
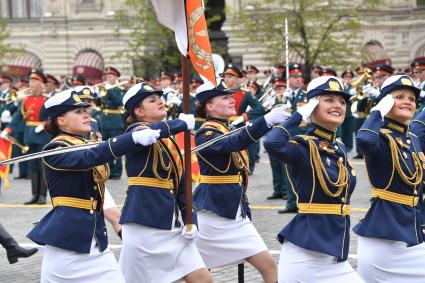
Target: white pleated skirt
x,y
61,265
297,264
223,241
151,255
389,261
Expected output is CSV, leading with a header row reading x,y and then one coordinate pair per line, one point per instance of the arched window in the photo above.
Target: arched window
x,y
89,64
373,54
420,53
18,65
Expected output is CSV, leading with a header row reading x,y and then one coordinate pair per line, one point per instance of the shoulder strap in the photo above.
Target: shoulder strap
x,y
216,125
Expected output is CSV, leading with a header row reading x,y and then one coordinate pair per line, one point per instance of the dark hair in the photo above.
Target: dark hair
x,y
201,109
52,127
131,119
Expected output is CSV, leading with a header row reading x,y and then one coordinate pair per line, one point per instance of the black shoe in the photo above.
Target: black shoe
x,y
21,177
275,196
16,252
358,156
33,200
288,210
41,200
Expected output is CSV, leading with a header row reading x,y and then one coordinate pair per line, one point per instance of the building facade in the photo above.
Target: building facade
x,y
69,37
74,37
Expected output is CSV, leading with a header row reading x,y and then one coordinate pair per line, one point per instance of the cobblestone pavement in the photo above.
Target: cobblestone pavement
x,y
18,220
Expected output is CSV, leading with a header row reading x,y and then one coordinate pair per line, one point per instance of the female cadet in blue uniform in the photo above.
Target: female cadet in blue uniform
x,y
74,231
110,209
155,246
315,243
226,233
391,236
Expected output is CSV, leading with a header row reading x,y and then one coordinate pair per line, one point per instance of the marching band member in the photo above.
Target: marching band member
x,y
418,70
74,232
112,120
226,233
391,235
110,209
315,243
156,248
30,110
279,178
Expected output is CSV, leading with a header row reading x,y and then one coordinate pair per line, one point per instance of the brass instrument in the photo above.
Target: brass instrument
x,y
358,85
24,148
102,88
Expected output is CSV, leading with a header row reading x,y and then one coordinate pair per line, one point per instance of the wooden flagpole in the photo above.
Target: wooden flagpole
x,y
187,145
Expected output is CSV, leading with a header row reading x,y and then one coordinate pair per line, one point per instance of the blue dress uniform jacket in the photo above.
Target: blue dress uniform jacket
x,y
219,160
323,232
388,218
150,205
71,175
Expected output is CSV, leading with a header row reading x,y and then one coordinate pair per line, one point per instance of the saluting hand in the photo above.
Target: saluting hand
x,y
189,119
189,232
4,135
308,108
277,115
385,105
146,136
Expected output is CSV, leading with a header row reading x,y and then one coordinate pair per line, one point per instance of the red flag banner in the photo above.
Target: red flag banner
x,y
5,153
187,20
195,166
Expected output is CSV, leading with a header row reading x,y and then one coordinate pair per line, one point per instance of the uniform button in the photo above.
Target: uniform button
x,y
91,211
343,199
114,139
336,147
408,141
423,231
92,199
415,192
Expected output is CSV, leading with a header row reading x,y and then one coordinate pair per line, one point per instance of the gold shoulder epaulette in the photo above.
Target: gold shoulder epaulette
x,y
69,140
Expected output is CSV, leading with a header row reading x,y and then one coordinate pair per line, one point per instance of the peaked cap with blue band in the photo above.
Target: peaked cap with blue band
x,y
207,91
137,93
326,85
62,102
398,82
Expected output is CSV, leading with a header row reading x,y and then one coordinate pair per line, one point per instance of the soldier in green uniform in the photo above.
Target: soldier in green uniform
x,y
112,123
418,70
52,85
297,97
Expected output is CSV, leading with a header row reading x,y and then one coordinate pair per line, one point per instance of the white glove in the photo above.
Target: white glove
x,y
238,121
190,233
189,119
146,136
4,135
6,117
370,91
385,105
308,108
38,129
422,94
287,93
174,100
352,92
277,115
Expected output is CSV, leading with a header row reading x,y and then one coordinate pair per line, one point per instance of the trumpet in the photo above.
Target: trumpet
x,y
358,85
24,148
103,90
